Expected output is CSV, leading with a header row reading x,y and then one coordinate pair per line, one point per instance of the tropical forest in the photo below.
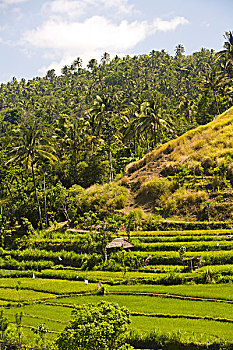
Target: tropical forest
x,y
116,204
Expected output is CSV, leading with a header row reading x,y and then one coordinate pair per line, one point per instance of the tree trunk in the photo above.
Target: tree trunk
x,y
147,143
45,204
216,101
155,135
9,190
111,167
158,132
37,199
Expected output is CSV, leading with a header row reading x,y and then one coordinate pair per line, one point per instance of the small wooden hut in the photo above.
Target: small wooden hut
x,y
192,263
117,244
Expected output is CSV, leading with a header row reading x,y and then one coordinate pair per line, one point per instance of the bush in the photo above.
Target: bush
x,y
103,199
97,327
154,339
153,189
188,198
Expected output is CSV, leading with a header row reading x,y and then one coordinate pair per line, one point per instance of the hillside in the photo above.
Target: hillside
x,y
192,171
61,135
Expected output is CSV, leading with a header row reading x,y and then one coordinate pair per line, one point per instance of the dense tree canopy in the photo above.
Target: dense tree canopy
x,y
84,126
95,327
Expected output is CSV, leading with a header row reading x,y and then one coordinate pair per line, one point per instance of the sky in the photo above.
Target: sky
x,y
38,35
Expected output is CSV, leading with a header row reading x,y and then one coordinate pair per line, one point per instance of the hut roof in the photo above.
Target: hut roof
x,y
118,242
194,258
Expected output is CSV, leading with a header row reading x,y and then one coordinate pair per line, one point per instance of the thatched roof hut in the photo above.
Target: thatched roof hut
x,y
119,243
192,263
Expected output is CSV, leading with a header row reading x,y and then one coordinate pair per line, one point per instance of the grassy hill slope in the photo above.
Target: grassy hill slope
x,y
190,177
211,143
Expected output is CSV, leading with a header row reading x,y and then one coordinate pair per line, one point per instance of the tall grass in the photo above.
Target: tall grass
x,y
212,140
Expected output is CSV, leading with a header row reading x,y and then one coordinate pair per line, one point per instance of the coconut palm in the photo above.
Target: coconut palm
x,y
105,58
228,48
106,120
215,81
77,63
153,119
28,147
92,64
179,50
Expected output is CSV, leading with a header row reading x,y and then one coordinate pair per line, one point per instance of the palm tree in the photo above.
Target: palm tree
x,y
29,146
65,70
179,50
105,58
152,53
51,75
106,121
228,48
130,119
152,119
101,109
77,63
215,81
92,64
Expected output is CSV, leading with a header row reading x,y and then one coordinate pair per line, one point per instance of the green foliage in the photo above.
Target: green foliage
x,y
83,127
153,189
41,331
3,324
155,339
102,199
133,221
182,252
99,326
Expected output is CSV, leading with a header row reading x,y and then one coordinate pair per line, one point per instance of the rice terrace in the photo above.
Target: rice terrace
x,y
116,175
185,307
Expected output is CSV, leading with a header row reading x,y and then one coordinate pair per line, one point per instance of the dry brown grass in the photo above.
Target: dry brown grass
x,y
213,140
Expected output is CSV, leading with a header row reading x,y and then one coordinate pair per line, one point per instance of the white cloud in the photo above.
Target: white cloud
x,y
165,26
121,6
76,8
65,40
71,8
4,3
94,33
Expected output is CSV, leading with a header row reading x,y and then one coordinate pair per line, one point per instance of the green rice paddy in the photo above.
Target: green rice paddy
x,y
200,313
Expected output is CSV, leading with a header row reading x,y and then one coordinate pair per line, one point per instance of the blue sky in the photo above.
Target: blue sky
x,y
37,35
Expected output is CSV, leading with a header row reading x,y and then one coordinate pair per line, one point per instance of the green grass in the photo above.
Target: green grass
x,y
52,284
24,295
209,291
55,313
48,285
104,276
55,318
157,305
226,269
215,138
190,246
4,303
178,233
181,238
191,330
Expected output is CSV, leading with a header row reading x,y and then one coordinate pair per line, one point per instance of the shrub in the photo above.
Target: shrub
x,y
102,199
169,204
186,197
153,189
219,183
154,339
99,326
